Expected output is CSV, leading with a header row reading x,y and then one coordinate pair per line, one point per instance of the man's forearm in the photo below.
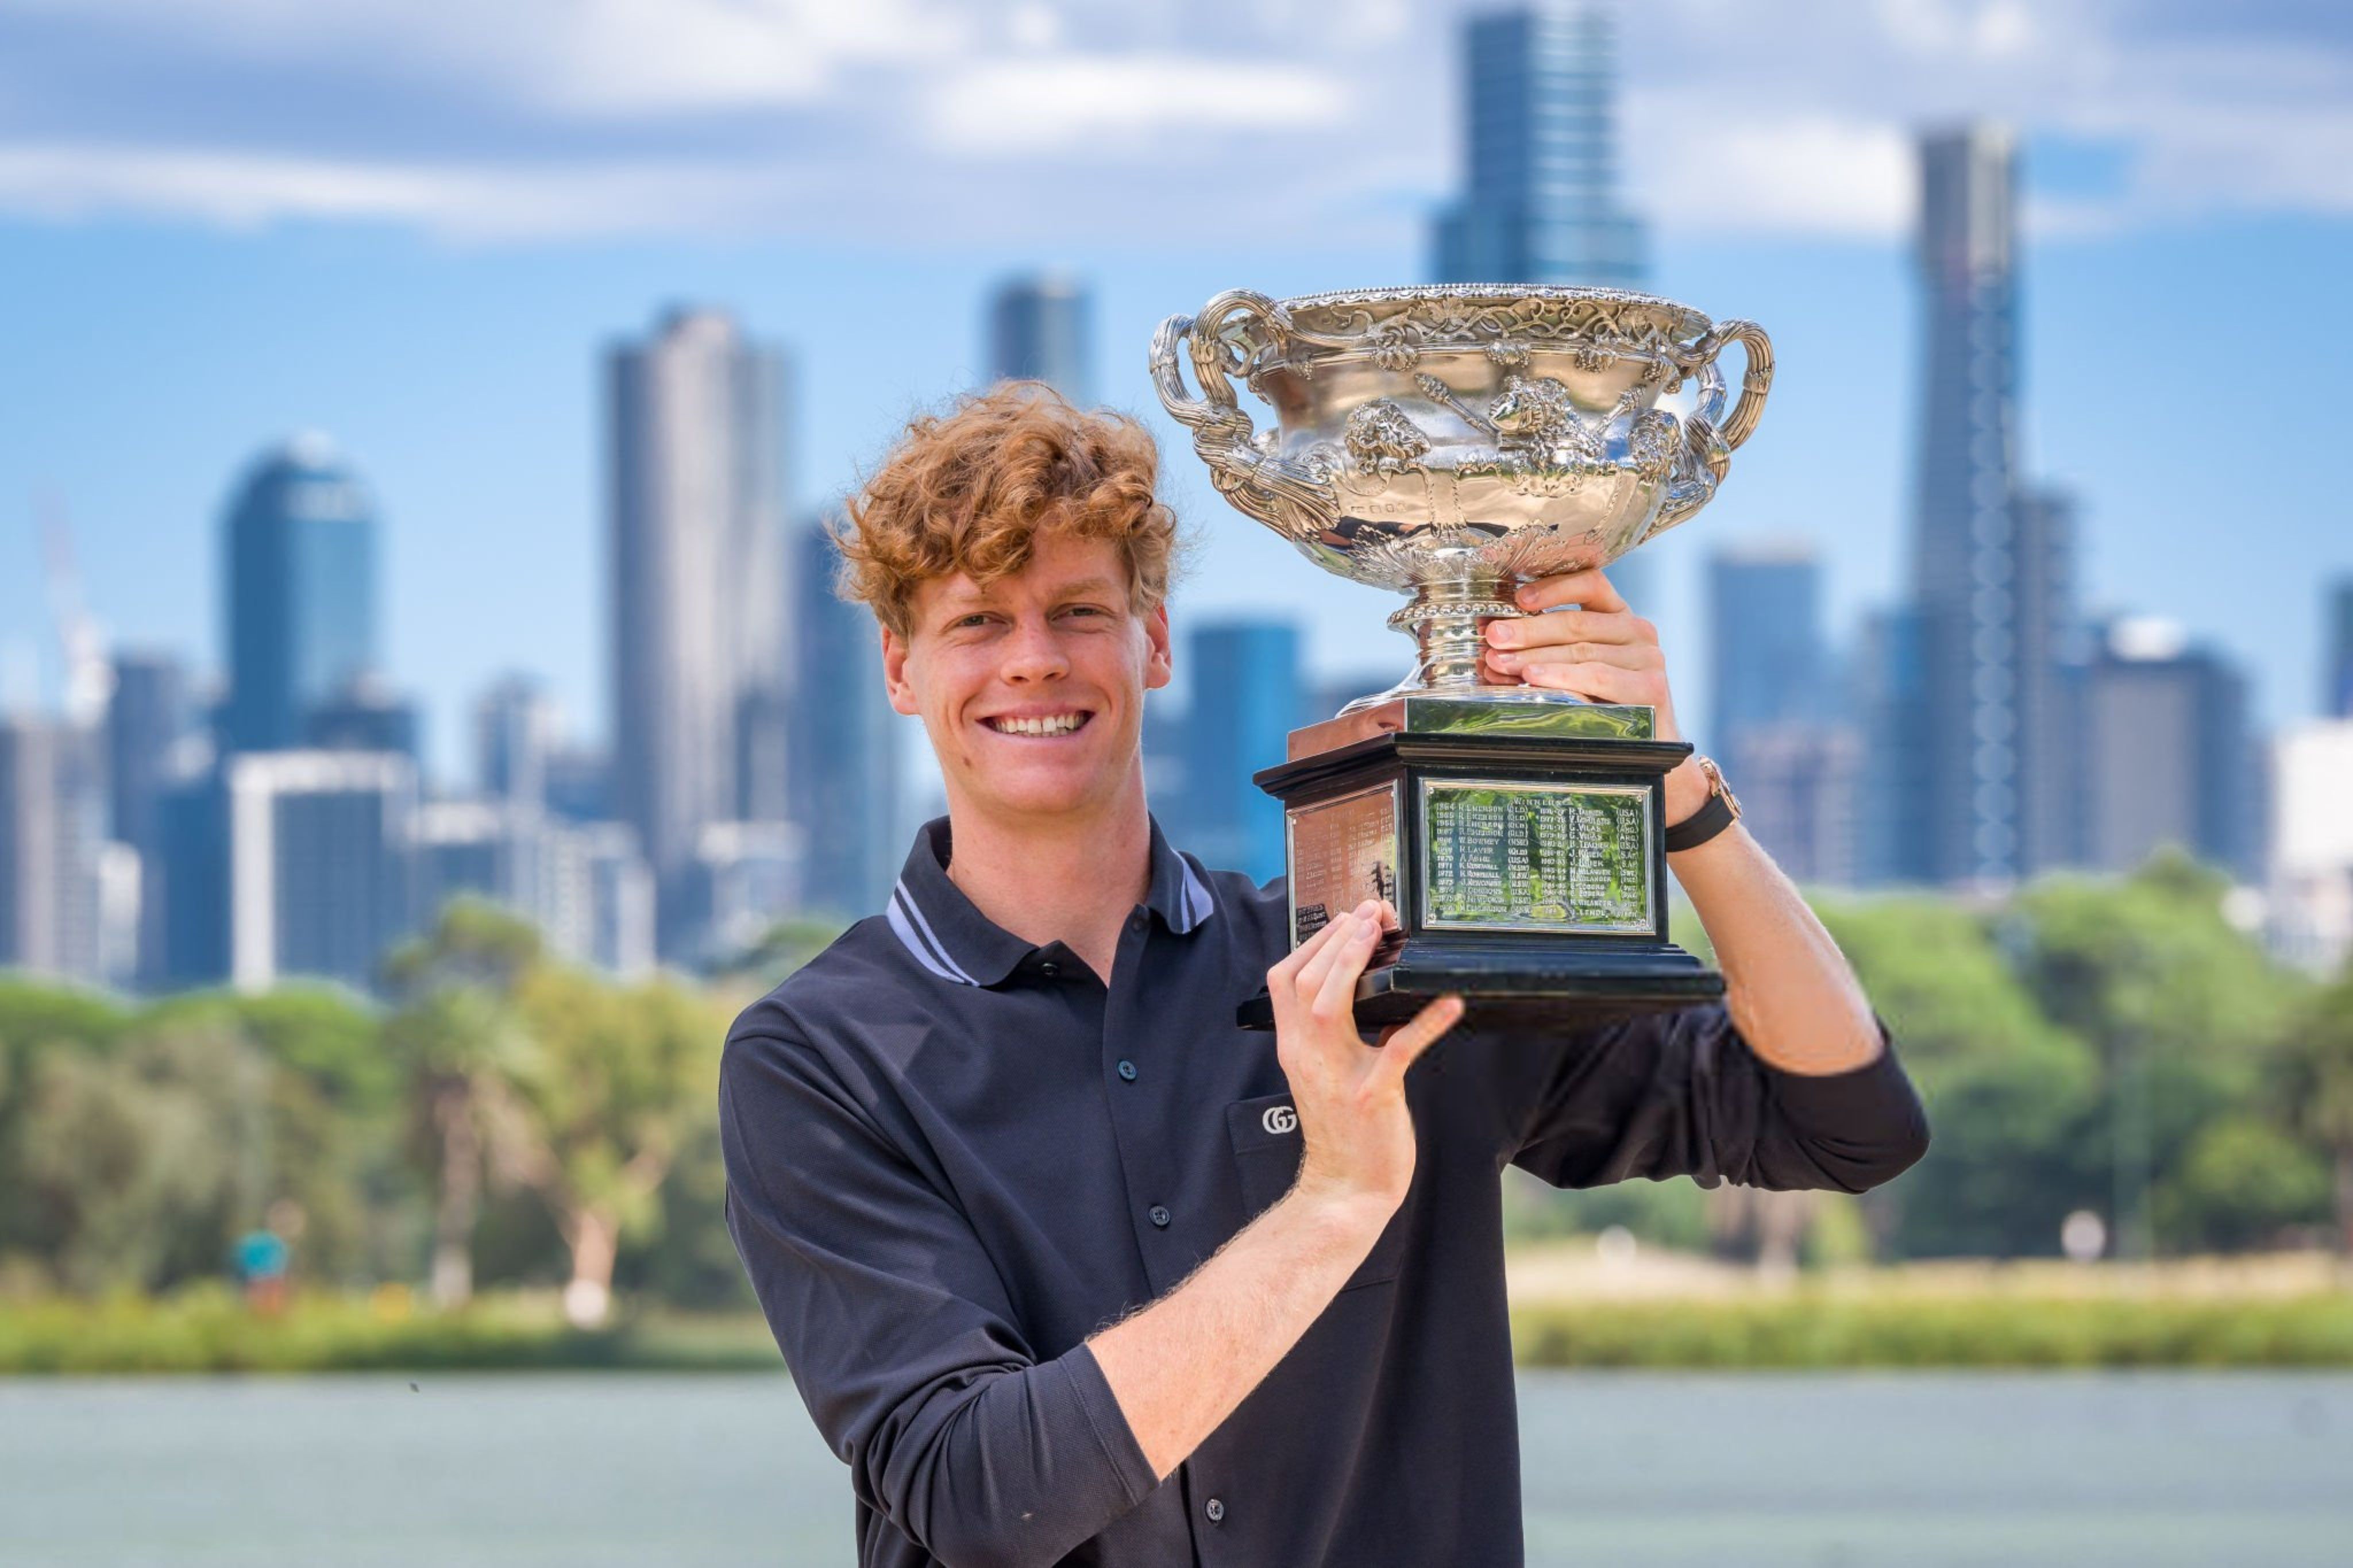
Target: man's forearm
x,y
1180,1367
1789,990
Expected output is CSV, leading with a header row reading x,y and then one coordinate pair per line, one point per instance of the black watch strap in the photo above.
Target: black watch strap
x,y
1718,812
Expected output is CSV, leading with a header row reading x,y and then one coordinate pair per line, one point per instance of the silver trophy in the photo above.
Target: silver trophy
x,y
1451,442
1454,440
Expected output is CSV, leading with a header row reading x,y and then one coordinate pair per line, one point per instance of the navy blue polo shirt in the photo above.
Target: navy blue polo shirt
x,y
953,1155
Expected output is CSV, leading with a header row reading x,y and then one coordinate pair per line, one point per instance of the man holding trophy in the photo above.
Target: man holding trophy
x,y
1111,1209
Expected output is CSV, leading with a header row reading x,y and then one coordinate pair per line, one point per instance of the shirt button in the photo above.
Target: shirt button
x,y
1127,1071
1135,922
1216,1509
1050,969
1160,1215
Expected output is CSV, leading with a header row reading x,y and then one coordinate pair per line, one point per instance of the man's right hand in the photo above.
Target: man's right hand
x,y
1350,1096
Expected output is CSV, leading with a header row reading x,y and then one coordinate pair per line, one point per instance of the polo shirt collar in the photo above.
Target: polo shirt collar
x,y
949,936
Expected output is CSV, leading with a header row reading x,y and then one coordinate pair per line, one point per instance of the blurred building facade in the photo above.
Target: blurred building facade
x,y
2309,878
52,840
318,865
2173,758
1246,697
1540,202
300,581
845,741
1540,199
1981,716
2336,675
695,432
1039,330
1781,726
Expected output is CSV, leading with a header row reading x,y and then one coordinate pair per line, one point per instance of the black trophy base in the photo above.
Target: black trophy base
x,y
1520,986
1520,845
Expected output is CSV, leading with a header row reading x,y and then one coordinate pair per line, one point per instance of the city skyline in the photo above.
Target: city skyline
x,y
434,314
1999,710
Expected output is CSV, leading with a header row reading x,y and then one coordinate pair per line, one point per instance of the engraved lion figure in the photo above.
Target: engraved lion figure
x,y
1382,440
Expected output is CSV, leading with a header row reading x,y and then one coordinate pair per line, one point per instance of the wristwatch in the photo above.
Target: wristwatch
x,y
1720,812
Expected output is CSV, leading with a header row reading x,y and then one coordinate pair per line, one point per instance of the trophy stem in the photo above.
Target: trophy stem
x,y
1448,622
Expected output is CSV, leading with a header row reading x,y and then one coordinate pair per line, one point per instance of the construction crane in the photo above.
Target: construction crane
x,y
89,673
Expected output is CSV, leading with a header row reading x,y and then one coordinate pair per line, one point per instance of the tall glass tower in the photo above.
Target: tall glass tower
x,y
1540,200
1245,701
1969,825
698,570
299,538
1038,330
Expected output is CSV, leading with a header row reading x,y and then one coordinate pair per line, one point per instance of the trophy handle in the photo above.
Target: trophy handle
x,y
1708,435
1284,497
1755,380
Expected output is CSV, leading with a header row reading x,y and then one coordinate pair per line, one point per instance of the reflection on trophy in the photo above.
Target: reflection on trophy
x,y
1452,442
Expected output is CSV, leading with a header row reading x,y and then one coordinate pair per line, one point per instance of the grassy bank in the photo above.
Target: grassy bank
x,y
209,1331
1807,1328
2190,1315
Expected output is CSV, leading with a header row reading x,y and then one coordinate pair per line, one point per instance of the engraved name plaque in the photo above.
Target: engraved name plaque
x,y
1500,856
1343,851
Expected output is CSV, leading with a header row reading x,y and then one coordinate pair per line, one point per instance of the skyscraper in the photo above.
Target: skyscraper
x,y
1989,581
1540,202
2337,694
1246,699
2171,757
318,863
696,436
1779,724
2053,660
515,729
300,556
146,714
1887,689
1765,613
363,714
845,743
2310,873
1038,329
52,825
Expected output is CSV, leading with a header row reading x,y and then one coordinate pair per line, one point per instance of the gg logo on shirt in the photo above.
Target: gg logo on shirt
x,y
1279,1118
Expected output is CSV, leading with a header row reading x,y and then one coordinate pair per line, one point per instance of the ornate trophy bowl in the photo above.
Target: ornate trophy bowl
x,y
1452,441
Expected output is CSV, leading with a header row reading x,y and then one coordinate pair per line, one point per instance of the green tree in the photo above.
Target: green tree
x,y
2180,1010
140,1159
461,1045
615,1077
2008,1095
2318,1069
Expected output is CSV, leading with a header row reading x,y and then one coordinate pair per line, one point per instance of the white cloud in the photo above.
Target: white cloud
x,y
1763,172
521,116
1064,103
238,189
586,57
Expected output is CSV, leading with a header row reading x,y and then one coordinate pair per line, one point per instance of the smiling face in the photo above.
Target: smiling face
x,y
1031,687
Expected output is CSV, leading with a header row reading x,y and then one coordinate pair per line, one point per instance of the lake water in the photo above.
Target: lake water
x,y
2146,1470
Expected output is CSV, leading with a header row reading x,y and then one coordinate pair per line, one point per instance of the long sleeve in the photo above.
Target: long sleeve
x,y
1681,1094
898,1333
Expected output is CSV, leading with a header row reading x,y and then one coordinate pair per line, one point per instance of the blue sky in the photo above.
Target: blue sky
x,y
414,226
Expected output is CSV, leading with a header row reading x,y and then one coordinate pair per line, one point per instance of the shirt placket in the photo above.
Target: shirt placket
x,y
1142,1081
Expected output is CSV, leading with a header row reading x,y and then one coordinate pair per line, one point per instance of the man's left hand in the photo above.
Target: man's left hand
x,y
1601,651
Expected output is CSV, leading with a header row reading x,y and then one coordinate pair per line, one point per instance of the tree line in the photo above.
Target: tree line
x,y
501,1118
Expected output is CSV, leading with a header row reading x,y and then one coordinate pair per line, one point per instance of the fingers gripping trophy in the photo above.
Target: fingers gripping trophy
x,y
1451,443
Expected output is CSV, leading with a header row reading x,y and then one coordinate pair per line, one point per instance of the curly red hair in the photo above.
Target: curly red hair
x,y
970,490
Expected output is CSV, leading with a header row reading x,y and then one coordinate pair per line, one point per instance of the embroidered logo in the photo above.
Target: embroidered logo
x,y
1279,1118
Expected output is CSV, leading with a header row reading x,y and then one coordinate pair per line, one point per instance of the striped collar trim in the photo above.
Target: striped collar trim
x,y
950,938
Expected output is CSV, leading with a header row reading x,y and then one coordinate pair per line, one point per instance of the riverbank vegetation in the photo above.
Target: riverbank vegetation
x,y
2115,1050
